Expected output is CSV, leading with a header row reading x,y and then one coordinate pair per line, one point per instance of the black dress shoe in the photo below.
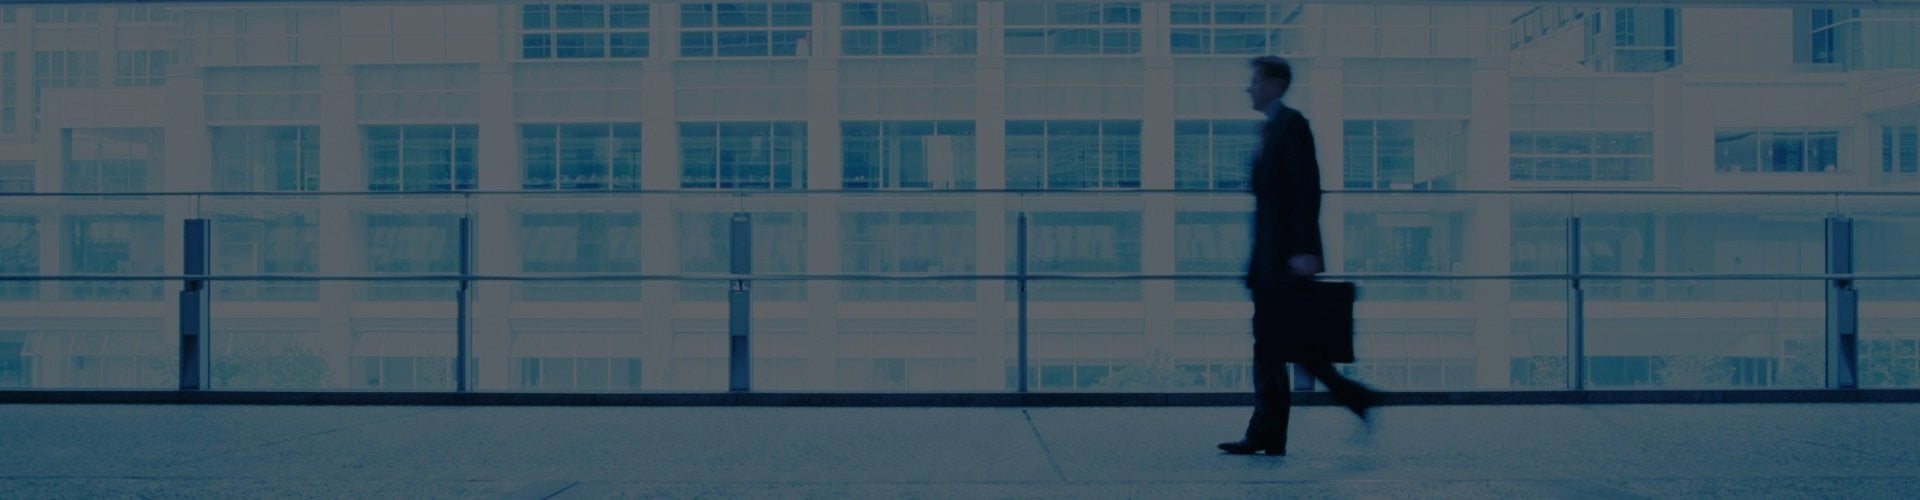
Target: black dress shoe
x,y
1245,447
1361,403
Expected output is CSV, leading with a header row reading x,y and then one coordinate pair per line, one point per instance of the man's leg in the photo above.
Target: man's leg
x,y
1273,399
1354,395
1267,429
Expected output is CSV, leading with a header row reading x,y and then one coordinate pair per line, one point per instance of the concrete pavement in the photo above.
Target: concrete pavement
x,y
1607,451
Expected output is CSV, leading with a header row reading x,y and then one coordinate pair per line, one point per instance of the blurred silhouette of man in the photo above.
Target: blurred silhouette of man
x,y
1286,254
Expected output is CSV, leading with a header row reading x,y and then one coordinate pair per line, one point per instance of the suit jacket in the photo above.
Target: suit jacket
x,y
1286,190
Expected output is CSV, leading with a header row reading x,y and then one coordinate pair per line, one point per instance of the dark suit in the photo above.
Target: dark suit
x,y
1286,223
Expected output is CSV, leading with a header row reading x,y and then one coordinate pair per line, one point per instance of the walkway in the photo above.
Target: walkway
x,y
1768,450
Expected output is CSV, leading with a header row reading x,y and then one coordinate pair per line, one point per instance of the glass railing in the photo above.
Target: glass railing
x,y
939,291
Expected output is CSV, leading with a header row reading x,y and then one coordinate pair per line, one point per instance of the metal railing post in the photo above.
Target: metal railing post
x,y
739,306
1576,312
1020,270
463,334
1843,307
194,309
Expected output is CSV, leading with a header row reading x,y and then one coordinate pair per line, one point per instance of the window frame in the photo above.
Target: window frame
x,y
551,31
1050,28
612,149
461,175
965,29
889,176
1100,152
1276,24
775,31
306,140
793,133
1764,142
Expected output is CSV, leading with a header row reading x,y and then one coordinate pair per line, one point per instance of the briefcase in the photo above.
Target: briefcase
x,y
1314,321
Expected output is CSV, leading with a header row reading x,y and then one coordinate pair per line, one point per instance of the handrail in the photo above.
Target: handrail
x,y
912,277
936,191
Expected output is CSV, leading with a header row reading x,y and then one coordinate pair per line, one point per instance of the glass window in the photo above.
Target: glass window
x,y
54,15
580,242
411,244
907,242
580,156
16,176
1822,45
1066,154
141,68
584,31
118,359
114,244
62,69
1214,154
1776,150
9,94
1900,149
1083,242
1539,245
1581,156
19,254
1736,150
1727,240
903,29
1072,28
265,243
143,14
1211,242
745,29
1639,39
421,157
1407,242
923,154
579,373
266,158
1236,28
402,372
1404,154
743,155
107,160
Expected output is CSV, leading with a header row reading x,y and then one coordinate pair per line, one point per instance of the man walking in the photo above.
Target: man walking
x,y
1286,254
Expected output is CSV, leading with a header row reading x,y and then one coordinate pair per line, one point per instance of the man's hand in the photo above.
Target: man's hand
x,y
1304,265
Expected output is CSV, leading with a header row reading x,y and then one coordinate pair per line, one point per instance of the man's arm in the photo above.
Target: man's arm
x,y
1303,198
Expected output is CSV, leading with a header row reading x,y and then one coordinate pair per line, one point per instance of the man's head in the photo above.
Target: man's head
x,y
1271,77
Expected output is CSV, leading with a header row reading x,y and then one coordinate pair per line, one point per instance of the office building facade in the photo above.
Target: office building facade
x,y
852,136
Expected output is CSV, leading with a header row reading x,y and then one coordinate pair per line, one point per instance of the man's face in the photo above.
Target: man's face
x,y
1264,91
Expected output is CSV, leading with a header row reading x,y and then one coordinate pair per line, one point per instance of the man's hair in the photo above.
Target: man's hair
x,y
1273,68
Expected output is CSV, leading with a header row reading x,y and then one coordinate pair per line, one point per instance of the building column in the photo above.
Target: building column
x,y
1489,228
340,170
1157,172
659,169
495,231
824,168
994,334
1489,126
